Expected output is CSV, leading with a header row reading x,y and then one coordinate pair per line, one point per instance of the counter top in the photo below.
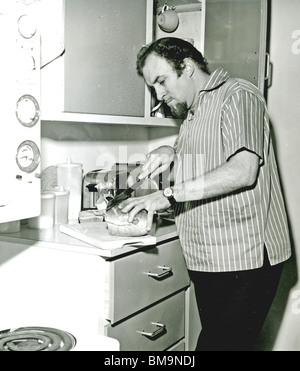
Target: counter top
x,y
53,238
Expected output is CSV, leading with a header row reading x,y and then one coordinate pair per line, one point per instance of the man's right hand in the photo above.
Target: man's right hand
x,y
158,161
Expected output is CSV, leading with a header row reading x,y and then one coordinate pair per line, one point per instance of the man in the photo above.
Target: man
x,y
228,205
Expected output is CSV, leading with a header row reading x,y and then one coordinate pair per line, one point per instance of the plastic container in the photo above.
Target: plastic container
x,y
61,205
69,176
46,218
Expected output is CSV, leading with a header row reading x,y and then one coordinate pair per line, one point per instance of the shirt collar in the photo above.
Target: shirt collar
x,y
215,80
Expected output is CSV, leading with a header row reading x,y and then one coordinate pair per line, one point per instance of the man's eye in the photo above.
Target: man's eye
x,y
161,82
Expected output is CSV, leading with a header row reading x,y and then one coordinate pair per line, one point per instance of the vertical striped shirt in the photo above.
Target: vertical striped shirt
x,y
228,233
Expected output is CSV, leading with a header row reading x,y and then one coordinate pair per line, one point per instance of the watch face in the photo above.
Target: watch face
x,y
168,192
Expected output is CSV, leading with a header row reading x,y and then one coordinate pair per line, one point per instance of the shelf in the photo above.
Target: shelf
x,y
107,119
186,8
169,122
182,5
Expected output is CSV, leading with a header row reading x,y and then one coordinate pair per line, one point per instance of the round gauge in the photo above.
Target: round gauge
x,y
28,110
28,156
27,26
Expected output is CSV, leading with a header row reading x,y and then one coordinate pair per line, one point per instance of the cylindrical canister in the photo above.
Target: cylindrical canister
x,y
61,205
69,176
46,218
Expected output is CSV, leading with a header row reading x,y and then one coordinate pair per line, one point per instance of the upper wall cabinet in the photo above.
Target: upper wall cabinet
x,y
102,39
95,79
89,50
230,33
235,38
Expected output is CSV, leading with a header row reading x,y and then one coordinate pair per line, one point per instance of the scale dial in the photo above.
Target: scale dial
x,y
28,110
28,156
27,26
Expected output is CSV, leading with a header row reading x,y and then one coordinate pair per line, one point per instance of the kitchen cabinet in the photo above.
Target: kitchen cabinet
x,y
235,38
150,301
144,332
102,39
95,80
156,273
149,290
139,296
230,33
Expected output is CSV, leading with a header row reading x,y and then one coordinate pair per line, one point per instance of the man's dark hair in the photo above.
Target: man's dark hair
x,y
174,50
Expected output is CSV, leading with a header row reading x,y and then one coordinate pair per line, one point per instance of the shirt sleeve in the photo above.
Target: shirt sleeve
x,y
243,124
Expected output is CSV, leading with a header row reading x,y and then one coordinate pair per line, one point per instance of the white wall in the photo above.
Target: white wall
x,y
100,146
284,107
94,146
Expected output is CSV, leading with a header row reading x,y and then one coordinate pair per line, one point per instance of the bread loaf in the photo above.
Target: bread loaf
x,y
118,224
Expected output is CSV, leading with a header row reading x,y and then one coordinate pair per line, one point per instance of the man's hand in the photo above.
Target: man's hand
x,y
152,203
157,162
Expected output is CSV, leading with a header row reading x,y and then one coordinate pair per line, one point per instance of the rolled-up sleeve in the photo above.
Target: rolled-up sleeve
x,y
243,124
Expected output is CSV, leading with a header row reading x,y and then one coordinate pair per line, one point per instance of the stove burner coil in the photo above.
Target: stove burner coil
x,y
36,339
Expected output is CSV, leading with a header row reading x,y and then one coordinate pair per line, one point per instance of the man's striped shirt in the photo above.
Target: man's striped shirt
x,y
228,233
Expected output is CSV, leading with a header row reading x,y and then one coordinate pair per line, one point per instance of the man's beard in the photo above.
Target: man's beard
x,y
180,111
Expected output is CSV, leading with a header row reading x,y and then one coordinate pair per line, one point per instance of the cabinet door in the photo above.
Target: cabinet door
x,y
235,37
102,39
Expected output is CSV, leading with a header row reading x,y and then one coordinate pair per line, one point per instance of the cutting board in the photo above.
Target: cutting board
x,y
96,234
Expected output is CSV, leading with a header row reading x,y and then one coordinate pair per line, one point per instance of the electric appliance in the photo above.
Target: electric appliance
x,y
114,181
20,110
101,181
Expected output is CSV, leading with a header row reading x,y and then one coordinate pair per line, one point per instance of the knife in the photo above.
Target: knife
x,y
124,195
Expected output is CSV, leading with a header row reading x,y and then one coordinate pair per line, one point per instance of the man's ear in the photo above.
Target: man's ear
x,y
189,67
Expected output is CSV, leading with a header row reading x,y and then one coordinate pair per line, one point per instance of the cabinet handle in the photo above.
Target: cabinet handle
x,y
268,66
164,272
160,328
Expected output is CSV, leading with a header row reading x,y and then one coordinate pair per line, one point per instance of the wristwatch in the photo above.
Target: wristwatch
x,y
169,194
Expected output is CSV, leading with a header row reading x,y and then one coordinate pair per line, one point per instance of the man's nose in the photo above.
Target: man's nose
x,y
160,92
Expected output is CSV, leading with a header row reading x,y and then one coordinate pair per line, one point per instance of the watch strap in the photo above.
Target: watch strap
x,y
171,198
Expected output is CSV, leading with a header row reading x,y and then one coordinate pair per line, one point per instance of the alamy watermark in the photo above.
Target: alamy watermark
x,y
185,167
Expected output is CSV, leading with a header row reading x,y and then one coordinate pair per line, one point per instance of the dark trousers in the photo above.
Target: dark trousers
x,y
233,306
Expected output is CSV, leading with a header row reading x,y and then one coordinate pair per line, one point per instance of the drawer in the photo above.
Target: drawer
x,y
141,279
156,328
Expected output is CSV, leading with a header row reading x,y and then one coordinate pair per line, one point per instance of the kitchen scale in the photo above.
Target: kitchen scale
x,y
20,122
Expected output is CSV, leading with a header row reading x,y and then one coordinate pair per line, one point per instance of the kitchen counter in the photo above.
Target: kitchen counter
x,y
53,238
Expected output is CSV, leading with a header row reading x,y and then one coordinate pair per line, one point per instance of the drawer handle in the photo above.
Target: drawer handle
x,y
160,328
165,271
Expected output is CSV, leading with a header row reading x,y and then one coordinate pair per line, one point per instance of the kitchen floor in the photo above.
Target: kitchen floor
x,y
272,324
